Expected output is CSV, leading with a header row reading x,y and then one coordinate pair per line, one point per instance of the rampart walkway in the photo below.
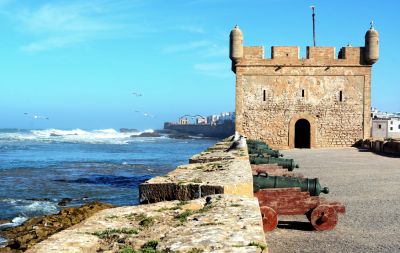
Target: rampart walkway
x,y
367,183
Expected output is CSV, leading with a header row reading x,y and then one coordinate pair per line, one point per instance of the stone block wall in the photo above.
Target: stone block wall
x,y
333,95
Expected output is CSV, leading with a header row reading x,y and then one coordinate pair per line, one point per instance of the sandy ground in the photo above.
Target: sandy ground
x,y
369,186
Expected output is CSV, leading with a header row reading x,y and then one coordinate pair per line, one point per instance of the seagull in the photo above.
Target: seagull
x,y
34,116
148,115
137,94
241,143
236,136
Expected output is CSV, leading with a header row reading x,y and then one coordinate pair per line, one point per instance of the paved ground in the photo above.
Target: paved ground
x,y
367,183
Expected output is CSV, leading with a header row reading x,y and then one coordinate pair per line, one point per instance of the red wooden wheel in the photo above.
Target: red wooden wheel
x,y
269,218
324,217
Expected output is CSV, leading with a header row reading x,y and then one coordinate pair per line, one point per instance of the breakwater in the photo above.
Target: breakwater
x,y
204,206
217,131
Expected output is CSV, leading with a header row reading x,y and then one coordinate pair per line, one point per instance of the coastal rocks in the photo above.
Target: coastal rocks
x,y
37,229
64,201
147,134
180,136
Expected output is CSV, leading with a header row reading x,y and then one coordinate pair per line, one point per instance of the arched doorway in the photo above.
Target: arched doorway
x,y
302,134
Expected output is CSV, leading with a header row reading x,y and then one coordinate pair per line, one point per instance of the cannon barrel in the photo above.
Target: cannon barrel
x,y
258,150
305,184
285,163
256,143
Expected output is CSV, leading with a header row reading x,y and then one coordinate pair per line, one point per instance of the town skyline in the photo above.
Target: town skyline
x,y
112,64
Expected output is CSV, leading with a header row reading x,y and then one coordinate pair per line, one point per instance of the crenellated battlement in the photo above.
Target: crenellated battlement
x,y
315,56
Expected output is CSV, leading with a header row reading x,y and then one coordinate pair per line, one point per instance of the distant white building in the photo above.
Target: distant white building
x,y
394,127
379,128
201,121
385,125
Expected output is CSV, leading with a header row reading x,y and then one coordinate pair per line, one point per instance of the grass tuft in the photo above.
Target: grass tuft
x,y
110,232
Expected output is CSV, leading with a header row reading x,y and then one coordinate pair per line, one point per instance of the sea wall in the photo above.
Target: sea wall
x,y
204,206
216,131
391,147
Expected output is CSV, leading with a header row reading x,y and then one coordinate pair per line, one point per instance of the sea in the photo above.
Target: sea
x,y
40,168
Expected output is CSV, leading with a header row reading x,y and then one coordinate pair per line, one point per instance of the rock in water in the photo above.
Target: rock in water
x,y
147,135
64,201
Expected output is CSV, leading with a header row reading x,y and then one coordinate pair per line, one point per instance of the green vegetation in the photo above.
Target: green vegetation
x,y
146,222
166,209
211,224
195,250
183,216
182,203
112,217
197,180
110,232
205,209
127,249
258,244
235,205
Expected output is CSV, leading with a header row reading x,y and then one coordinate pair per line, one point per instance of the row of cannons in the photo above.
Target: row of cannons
x,y
281,191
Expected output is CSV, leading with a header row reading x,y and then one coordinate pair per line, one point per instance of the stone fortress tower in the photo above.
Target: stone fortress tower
x,y
289,102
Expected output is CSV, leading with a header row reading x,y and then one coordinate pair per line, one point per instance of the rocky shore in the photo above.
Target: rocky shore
x,y
38,229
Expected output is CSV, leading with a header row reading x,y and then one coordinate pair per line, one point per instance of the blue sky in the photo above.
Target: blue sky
x,y
78,62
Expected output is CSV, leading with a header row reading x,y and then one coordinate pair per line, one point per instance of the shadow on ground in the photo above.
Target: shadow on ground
x,y
390,155
296,225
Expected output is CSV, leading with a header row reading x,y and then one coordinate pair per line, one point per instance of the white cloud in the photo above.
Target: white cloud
x,y
62,24
52,43
190,46
191,28
216,69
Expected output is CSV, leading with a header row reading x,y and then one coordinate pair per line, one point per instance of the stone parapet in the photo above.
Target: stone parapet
x,y
227,220
213,171
227,223
315,56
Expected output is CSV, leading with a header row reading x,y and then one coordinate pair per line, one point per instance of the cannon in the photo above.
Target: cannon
x,y
262,151
322,214
264,181
256,143
285,163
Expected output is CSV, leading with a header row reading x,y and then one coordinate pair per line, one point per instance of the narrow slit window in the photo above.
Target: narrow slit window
x,y
264,95
379,126
340,96
302,93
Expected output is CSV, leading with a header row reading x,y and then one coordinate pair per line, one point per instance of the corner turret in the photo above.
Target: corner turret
x,y
235,46
371,45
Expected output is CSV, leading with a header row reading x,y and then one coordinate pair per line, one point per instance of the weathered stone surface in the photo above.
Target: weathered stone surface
x,y
227,224
198,180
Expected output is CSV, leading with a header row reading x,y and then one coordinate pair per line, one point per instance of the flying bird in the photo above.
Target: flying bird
x,y
34,116
137,94
241,143
148,115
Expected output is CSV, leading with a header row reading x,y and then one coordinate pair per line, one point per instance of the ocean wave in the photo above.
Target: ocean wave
x,y
14,223
30,208
99,136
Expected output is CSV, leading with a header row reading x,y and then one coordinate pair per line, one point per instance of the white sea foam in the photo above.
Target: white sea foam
x,y
3,242
15,222
100,136
42,207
